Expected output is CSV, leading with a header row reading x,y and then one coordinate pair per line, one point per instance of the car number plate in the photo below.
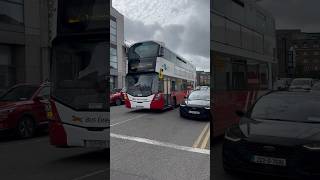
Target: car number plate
x,y
194,112
95,143
269,160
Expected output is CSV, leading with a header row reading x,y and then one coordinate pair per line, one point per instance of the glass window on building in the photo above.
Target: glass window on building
x,y
113,31
11,12
113,58
112,82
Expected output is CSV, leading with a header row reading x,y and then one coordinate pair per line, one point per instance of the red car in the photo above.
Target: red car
x,y
22,109
116,97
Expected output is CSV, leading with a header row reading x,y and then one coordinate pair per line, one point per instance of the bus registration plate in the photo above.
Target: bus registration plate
x,y
95,143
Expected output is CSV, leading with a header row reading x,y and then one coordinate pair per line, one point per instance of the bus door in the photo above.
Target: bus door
x,y
167,91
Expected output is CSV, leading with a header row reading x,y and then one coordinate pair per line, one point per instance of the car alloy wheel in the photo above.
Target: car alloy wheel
x,y
26,127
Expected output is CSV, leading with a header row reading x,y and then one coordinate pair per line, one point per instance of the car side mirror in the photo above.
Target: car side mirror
x,y
38,98
240,113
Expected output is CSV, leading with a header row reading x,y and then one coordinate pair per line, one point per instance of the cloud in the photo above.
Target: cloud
x,y
294,14
183,25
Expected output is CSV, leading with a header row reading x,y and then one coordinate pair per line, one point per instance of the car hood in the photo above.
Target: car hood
x,y
282,132
198,103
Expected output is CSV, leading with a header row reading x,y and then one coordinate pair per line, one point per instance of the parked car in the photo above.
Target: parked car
x,y
196,105
301,84
282,84
116,97
22,109
316,87
280,135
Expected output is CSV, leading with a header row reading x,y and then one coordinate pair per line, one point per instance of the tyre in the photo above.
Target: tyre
x,y
26,128
118,102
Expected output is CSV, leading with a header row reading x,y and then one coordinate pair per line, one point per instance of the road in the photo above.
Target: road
x,y
158,145
218,172
35,159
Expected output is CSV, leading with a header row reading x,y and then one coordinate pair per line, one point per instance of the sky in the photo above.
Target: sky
x,y
183,25
294,14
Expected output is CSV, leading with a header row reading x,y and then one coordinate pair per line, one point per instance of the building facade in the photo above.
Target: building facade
x,y
203,78
24,50
243,44
298,53
117,51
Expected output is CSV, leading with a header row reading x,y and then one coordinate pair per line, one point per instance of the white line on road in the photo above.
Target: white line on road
x,y
163,144
137,117
90,174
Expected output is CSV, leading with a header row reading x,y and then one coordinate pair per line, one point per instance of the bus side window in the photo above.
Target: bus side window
x,y
173,86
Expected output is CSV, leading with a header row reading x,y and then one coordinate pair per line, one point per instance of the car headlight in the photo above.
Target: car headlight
x,y
312,146
207,108
182,105
234,134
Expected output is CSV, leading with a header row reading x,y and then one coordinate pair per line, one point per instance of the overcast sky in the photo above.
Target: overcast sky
x,y
183,25
295,14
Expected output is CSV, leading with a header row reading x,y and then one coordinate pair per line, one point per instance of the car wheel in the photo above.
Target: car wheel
x,y
118,102
26,127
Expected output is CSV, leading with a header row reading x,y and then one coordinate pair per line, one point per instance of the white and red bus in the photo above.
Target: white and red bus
x,y
157,78
78,109
242,52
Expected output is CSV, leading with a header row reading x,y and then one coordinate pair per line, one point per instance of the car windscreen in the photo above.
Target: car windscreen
x,y
304,107
79,75
199,95
19,93
143,50
142,85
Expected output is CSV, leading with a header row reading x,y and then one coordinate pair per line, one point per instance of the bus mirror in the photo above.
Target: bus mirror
x,y
161,53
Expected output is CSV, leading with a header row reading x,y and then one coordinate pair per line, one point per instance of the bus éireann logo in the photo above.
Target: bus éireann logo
x,y
76,119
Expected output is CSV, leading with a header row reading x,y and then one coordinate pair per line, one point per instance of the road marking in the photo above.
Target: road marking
x,y
197,142
90,174
205,140
162,144
137,117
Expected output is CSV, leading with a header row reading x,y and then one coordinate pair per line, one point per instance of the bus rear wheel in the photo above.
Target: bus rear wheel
x,y
118,102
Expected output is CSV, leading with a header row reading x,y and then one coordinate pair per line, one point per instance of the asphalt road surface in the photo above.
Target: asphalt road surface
x,y
36,159
158,145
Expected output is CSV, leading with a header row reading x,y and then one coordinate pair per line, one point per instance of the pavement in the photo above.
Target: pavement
x,y
158,145
36,159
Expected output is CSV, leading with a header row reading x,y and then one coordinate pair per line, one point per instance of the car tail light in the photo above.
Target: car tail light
x,y
157,97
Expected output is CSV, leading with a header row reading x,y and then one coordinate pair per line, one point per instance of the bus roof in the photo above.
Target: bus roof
x,y
162,44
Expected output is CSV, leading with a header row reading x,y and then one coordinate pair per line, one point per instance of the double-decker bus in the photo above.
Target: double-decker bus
x,y
78,109
157,78
242,53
